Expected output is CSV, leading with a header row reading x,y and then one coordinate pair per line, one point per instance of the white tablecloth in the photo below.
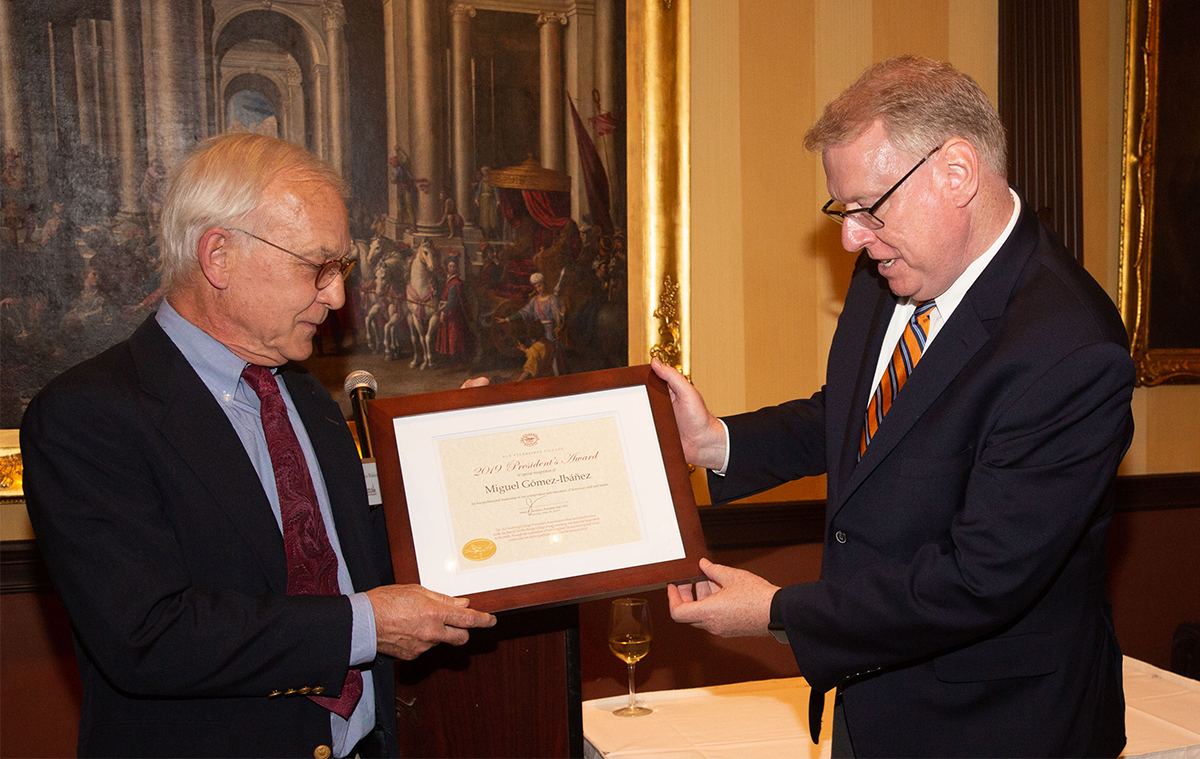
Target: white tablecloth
x,y
766,719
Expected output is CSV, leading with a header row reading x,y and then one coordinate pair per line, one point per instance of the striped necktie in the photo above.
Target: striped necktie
x,y
906,355
311,563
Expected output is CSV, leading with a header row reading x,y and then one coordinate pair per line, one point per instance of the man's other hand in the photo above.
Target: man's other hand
x,y
410,619
702,434
730,603
473,382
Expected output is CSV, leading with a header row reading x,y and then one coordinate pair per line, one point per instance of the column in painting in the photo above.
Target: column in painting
x,y
425,57
578,72
126,65
464,116
603,100
175,73
87,93
12,130
335,43
550,70
395,33
108,90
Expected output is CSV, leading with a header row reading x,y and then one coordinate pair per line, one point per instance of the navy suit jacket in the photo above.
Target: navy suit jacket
x,y
161,542
962,607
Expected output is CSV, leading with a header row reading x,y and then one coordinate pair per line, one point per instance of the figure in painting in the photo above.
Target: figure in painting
x,y
452,220
454,336
545,308
422,311
487,203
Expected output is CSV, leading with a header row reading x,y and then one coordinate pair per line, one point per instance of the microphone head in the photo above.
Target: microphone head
x,y
360,379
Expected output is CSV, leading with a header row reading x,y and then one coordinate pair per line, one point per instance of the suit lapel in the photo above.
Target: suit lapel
x,y
192,422
960,338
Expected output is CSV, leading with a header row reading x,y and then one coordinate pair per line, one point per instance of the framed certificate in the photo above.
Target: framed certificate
x,y
538,492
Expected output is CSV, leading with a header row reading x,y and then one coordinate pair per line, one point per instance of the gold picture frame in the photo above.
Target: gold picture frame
x,y
1156,364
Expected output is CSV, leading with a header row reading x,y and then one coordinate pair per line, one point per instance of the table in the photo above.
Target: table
x,y
766,719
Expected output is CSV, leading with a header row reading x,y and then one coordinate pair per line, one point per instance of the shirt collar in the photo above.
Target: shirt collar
x,y
219,368
949,300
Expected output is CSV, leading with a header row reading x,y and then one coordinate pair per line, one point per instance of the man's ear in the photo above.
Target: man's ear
x,y
214,261
961,172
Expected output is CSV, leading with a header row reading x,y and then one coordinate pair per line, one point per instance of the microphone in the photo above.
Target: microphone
x,y
361,386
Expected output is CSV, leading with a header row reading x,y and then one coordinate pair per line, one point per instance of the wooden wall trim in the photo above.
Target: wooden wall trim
x,y
738,525
21,568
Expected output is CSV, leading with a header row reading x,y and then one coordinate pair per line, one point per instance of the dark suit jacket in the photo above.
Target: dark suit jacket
x,y
162,545
962,604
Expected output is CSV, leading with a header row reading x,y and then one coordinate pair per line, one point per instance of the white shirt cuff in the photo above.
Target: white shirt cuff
x,y
725,464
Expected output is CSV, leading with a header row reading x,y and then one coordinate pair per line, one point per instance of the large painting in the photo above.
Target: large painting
x,y
1160,271
485,145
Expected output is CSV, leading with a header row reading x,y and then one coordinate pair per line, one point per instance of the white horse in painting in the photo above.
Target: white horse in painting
x,y
423,315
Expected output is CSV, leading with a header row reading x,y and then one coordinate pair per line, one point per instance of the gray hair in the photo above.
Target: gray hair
x,y
921,103
221,183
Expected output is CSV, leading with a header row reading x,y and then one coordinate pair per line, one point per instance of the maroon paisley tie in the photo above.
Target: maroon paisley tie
x,y
311,562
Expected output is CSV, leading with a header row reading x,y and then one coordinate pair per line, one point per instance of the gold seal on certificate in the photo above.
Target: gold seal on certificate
x,y
479,549
537,492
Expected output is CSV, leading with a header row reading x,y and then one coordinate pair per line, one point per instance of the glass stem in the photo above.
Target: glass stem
x,y
631,695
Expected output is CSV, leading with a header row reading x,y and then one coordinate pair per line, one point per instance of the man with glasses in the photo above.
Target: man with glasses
x,y
199,501
975,410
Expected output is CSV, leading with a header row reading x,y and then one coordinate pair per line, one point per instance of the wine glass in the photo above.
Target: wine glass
x,y
629,635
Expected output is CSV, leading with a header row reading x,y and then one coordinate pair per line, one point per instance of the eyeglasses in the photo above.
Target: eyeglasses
x,y
866,216
326,272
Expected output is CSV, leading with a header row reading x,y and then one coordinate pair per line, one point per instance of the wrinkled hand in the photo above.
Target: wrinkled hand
x,y
474,382
730,603
702,434
410,619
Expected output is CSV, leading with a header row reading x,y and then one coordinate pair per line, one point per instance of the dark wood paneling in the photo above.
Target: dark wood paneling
x,y
1040,107
512,690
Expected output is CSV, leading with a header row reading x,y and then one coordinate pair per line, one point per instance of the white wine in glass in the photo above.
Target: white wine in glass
x,y
629,635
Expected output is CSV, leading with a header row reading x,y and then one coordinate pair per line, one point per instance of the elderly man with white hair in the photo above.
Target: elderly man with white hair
x,y
199,500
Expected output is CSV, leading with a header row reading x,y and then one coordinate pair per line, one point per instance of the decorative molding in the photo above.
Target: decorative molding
x,y
669,349
549,17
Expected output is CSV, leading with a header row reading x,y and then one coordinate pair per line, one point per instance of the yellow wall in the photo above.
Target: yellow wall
x,y
768,272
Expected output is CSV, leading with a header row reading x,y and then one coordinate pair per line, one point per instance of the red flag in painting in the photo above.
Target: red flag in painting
x,y
604,124
595,179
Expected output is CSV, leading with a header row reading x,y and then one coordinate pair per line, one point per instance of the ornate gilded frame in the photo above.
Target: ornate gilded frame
x,y
657,60
1154,366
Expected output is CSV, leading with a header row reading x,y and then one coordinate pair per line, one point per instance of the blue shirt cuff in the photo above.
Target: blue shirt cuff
x,y
362,639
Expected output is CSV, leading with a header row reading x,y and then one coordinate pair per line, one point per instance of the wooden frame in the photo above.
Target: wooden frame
x,y
574,388
1142,221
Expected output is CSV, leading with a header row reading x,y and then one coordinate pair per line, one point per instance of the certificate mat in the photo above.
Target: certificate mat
x,y
539,492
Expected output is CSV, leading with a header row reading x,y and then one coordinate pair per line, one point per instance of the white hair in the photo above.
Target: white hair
x,y
220,183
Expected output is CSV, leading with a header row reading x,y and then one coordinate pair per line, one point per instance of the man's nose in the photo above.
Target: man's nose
x,y
333,294
855,236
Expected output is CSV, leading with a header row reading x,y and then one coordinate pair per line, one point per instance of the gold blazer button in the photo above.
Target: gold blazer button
x,y
322,752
